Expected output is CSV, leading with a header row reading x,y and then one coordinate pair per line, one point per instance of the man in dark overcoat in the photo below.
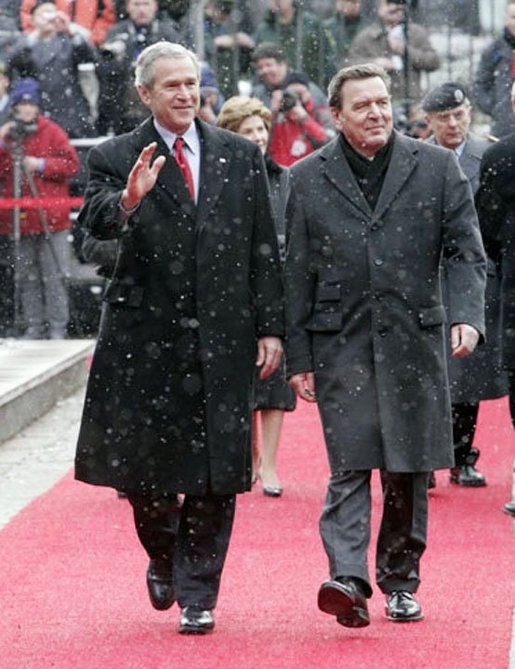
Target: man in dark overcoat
x,y
371,216
194,305
479,376
496,209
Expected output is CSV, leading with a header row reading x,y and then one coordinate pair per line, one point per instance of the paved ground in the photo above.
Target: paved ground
x,y
38,456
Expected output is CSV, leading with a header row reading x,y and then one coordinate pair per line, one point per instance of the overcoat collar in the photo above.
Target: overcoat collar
x,y
336,169
214,165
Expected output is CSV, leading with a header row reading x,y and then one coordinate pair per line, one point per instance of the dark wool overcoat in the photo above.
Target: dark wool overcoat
x,y
479,376
364,302
168,402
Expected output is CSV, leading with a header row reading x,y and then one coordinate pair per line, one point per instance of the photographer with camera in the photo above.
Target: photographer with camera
x,y
37,160
299,126
120,108
91,18
52,54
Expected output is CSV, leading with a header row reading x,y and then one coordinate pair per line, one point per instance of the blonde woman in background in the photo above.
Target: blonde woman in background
x,y
272,397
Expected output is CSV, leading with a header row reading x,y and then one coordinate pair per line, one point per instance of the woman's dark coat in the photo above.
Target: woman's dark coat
x,y
364,303
168,403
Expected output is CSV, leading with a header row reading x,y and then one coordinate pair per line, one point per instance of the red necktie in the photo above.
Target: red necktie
x,y
182,162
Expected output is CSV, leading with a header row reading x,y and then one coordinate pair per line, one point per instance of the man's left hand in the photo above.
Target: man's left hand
x,y
270,350
464,339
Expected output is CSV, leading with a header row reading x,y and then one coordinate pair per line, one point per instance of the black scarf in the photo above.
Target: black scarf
x,y
369,173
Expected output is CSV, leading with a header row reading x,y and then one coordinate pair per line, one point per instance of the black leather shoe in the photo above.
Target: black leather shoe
x,y
344,599
194,620
272,491
160,584
465,472
467,476
509,508
402,607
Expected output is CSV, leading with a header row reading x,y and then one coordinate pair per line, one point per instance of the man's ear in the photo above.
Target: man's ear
x,y
143,94
335,113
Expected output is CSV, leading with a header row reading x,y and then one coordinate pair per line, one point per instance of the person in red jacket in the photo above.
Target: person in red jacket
x,y
47,160
299,126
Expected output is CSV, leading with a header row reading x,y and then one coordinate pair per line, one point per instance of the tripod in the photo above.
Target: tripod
x,y
20,172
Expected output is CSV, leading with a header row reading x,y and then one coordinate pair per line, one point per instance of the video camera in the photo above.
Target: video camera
x,y
21,129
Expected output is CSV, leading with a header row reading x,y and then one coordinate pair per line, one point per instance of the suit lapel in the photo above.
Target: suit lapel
x,y
337,171
402,163
214,166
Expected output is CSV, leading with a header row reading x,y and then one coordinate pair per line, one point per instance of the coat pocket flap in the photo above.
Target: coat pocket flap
x,y
328,292
124,294
431,316
325,322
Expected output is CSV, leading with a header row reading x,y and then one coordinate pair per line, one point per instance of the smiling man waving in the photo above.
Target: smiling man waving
x,y
195,303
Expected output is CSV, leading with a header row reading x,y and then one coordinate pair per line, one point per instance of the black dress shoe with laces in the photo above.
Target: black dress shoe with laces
x,y
465,472
344,599
160,584
402,607
195,620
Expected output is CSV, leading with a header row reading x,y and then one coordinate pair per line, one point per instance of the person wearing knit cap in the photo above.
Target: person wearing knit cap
x,y
26,90
48,161
480,376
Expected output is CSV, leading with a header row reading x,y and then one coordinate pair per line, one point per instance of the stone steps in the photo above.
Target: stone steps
x,y
35,375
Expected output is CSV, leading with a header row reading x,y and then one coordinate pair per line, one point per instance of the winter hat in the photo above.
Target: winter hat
x,y
446,96
25,90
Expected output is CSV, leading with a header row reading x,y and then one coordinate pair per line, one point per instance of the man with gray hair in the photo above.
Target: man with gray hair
x,y
193,306
370,216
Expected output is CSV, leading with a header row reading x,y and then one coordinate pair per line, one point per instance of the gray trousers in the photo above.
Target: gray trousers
x,y
43,293
345,528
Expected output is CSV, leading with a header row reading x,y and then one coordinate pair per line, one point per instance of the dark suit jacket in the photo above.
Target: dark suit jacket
x,y
169,397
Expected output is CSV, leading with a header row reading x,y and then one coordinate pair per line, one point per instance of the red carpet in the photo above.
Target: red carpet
x,y
73,592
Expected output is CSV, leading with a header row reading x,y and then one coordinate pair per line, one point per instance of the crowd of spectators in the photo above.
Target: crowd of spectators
x,y
82,56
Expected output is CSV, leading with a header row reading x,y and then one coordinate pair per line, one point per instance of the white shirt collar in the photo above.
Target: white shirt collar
x,y
191,139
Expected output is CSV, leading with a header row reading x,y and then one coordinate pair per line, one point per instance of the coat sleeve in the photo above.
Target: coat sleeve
x,y
100,214
299,288
463,249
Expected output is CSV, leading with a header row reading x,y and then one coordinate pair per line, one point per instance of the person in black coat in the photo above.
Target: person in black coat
x,y
496,210
479,376
273,396
193,307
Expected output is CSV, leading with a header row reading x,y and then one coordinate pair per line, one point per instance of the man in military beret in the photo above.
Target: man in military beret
x,y
480,376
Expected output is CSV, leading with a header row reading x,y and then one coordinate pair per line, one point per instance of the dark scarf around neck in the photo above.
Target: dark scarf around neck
x,y
369,174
